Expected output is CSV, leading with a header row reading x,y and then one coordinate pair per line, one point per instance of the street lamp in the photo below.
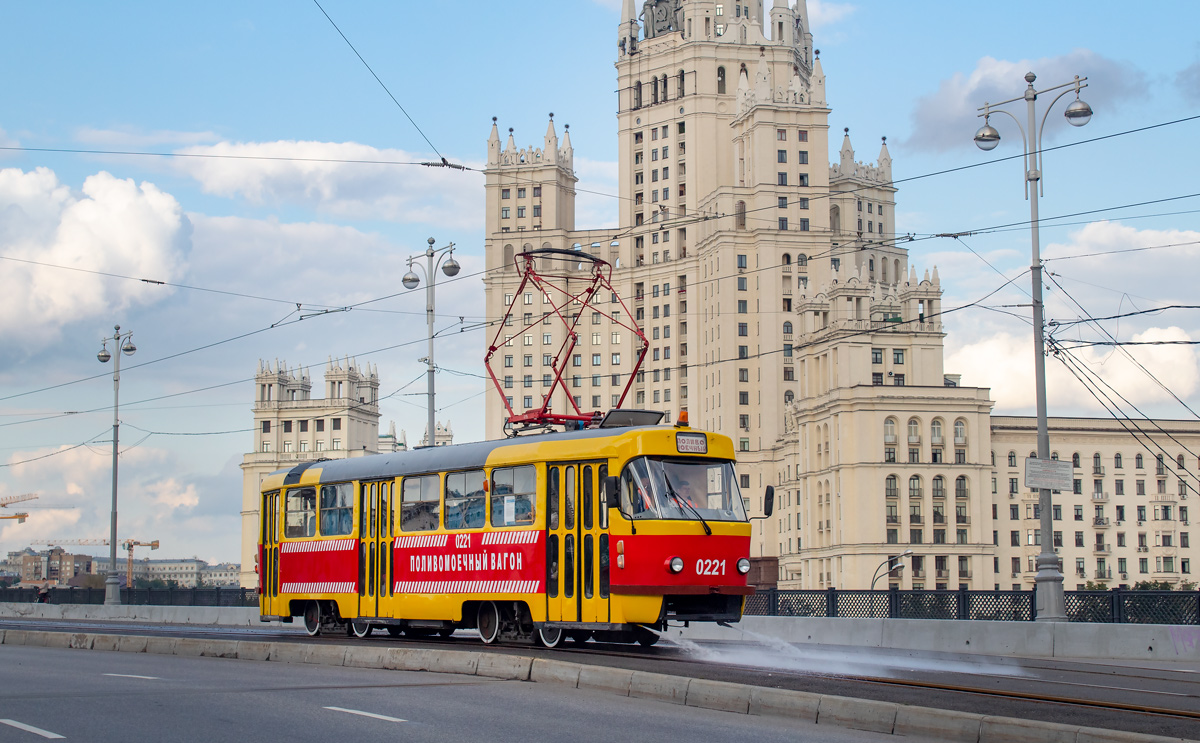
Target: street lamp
x,y
888,561
1051,606
112,586
412,281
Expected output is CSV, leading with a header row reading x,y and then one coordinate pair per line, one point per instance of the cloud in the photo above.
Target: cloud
x,y
822,14
946,119
352,190
996,350
133,137
112,225
1188,82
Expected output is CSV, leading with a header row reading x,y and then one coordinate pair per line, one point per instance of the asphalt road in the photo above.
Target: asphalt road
x,y
838,671
121,697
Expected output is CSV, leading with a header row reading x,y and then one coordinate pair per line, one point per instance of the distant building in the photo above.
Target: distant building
x,y
222,575
443,435
55,565
290,427
389,442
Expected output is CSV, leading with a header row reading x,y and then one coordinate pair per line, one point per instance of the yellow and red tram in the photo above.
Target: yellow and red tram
x,y
605,532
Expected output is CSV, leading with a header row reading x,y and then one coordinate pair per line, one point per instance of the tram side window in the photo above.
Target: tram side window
x,y
513,493
301,513
337,509
466,500
420,503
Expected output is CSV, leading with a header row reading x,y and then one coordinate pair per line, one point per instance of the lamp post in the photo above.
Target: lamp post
x,y
1051,606
888,561
412,281
112,586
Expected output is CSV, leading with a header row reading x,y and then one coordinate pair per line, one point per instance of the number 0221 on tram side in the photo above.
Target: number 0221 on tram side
x,y
606,532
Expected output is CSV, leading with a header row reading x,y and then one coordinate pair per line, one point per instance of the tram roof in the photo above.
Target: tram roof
x,y
434,458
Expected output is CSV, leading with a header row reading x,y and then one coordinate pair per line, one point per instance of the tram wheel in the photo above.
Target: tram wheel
x,y
579,637
394,631
646,638
312,618
549,637
446,632
360,629
488,622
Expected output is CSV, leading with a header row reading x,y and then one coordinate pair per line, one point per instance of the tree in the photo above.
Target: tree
x,y
1152,585
1093,586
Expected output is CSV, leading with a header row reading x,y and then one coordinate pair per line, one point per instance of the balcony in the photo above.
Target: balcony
x,y
892,493
917,573
914,439
914,519
940,494
939,518
889,438
964,574
937,441
787,268
1102,549
1098,470
962,519
1101,522
942,574
960,441
1104,574
893,519
1100,496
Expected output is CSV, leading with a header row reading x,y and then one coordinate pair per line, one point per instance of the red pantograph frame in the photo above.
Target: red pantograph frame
x,y
601,278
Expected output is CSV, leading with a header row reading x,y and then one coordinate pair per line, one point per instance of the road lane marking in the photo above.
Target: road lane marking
x,y
132,676
31,729
366,714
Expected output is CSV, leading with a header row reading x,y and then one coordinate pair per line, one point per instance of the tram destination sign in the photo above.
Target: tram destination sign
x,y
1051,474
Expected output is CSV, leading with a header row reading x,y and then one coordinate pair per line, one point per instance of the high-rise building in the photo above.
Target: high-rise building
x,y
291,426
781,310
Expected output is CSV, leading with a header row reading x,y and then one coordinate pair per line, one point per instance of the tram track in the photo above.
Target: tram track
x,y
1151,715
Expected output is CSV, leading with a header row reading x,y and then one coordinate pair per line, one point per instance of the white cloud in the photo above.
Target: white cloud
x,y
822,14
354,190
1188,82
946,119
996,350
113,225
134,137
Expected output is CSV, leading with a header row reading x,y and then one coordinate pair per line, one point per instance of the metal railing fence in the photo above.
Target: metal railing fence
x,y
140,596
1116,606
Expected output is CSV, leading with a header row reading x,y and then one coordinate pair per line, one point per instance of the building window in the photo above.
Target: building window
x,y
781,179
783,223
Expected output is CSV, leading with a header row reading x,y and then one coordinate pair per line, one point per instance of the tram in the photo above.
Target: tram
x,y
608,532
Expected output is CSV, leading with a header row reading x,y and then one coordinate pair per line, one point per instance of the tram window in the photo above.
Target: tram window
x,y
337,509
569,499
587,566
569,565
552,565
384,513
466,500
371,580
374,509
587,498
420,503
552,498
301,513
513,493
603,558
603,473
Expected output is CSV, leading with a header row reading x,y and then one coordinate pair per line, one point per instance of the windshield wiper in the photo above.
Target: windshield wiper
x,y
671,492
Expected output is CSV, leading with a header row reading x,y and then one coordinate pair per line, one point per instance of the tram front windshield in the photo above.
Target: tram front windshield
x,y
658,488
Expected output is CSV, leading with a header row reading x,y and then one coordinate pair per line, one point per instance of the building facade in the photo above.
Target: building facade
x,y
780,309
292,426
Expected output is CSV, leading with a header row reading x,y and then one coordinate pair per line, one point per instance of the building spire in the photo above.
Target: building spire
x,y
885,161
847,163
627,32
494,145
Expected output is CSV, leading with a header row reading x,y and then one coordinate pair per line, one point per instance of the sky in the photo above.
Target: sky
x,y
253,253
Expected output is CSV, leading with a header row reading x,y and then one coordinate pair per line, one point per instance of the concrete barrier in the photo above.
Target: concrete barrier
x,y
1009,730
453,661
406,659
603,678
324,655
287,652
495,665
799,705
365,656
858,714
109,643
555,672
658,686
720,695
942,724
254,650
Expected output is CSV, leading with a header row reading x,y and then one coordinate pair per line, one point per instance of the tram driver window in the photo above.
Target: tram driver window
x,y
513,493
420,503
466,505
337,509
301,513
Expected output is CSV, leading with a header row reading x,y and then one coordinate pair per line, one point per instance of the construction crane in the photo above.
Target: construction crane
x,y
21,516
127,545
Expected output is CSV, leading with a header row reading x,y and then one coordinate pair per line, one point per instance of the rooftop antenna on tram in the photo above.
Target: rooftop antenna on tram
x,y
554,285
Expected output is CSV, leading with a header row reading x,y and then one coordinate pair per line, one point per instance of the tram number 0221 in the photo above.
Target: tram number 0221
x,y
710,567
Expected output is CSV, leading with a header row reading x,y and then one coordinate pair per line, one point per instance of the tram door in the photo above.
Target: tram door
x,y
374,546
576,543
268,566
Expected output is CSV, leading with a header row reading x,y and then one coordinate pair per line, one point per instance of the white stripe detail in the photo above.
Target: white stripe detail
x,y
511,537
323,545
468,586
366,714
422,540
30,729
323,587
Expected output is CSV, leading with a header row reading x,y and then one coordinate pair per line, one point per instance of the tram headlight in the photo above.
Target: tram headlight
x,y
675,564
743,566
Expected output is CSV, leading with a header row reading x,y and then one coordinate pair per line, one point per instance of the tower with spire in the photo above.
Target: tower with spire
x,y
291,426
